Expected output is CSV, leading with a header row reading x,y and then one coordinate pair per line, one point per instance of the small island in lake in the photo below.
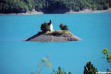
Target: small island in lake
x,y
47,33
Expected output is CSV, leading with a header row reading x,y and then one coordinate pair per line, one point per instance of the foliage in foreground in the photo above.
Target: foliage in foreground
x,y
89,68
106,53
108,57
59,71
43,63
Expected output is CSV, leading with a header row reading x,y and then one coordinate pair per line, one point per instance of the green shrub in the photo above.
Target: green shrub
x,y
45,27
63,27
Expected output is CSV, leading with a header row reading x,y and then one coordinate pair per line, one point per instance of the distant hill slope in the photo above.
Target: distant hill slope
x,y
52,6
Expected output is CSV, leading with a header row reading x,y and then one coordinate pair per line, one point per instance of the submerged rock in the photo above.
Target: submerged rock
x,y
54,36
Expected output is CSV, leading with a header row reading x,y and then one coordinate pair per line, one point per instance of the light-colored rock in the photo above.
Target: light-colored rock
x,y
49,37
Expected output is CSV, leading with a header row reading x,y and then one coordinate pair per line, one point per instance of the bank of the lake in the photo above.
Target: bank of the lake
x,y
60,12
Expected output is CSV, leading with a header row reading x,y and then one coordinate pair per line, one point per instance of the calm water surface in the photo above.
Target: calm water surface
x,y
20,57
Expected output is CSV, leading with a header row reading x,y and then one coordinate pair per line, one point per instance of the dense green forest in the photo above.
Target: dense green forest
x,y
50,6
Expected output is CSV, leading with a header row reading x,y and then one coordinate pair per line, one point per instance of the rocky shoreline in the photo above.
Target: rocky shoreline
x,y
89,11
27,13
48,37
70,12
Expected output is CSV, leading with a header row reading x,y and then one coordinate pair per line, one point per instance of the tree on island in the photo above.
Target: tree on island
x,y
49,27
45,27
63,27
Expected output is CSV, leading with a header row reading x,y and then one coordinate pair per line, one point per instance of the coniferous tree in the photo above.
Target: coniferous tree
x,y
90,69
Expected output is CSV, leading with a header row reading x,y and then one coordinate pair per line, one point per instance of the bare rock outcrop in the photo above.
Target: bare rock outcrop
x,y
53,37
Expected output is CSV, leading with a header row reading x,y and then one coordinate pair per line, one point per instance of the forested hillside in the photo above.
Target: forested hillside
x,y
49,6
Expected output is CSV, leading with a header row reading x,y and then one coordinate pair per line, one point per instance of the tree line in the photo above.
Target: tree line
x,y
50,6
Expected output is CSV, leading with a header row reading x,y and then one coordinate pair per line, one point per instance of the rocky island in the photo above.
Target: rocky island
x,y
47,33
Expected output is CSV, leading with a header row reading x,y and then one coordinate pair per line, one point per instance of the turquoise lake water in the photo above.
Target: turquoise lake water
x,y
20,57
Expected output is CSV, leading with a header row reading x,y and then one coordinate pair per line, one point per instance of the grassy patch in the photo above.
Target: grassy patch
x,y
58,32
